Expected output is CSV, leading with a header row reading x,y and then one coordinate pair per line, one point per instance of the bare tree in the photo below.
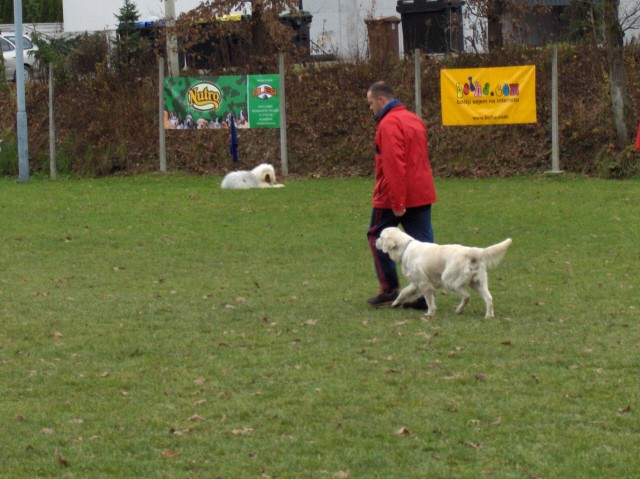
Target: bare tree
x,y
614,38
504,19
629,16
599,21
263,30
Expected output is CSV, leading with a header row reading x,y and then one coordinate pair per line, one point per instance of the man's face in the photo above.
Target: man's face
x,y
376,104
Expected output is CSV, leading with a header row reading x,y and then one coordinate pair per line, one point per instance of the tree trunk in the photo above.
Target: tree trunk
x,y
495,13
259,34
617,77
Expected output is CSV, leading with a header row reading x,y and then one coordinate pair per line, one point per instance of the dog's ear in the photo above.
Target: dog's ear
x,y
267,178
388,244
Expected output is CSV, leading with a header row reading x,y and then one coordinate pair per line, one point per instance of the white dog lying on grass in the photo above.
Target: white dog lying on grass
x,y
262,176
429,266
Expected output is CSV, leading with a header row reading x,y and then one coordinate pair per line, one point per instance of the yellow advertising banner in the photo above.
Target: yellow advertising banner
x,y
488,96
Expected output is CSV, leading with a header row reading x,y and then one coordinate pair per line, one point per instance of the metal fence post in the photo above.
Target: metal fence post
x,y
283,121
555,147
53,170
161,133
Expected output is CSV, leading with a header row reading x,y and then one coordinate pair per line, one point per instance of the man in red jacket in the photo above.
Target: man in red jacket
x,y
404,190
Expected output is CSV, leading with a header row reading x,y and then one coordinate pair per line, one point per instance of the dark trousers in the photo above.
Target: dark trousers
x,y
416,222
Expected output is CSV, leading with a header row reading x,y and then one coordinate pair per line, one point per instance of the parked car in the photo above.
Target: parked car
x,y
8,44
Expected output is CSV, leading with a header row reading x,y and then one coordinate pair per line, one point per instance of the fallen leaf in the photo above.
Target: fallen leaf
x,y
625,410
481,377
58,335
473,445
242,432
46,430
403,431
200,381
342,475
105,374
59,459
310,322
497,422
19,417
170,454
196,417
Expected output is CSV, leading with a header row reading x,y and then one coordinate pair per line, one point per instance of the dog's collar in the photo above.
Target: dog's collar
x,y
405,250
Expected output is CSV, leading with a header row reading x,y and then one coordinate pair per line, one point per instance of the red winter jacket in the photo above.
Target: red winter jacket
x,y
403,173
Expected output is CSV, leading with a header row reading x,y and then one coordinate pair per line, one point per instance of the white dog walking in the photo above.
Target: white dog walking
x,y
428,266
262,176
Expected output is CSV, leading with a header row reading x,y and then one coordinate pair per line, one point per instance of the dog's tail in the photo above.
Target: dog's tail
x,y
494,254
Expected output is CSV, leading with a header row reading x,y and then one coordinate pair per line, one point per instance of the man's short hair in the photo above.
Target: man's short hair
x,y
382,88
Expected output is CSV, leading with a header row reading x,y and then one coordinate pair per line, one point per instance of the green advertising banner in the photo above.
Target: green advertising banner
x,y
264,101
210,102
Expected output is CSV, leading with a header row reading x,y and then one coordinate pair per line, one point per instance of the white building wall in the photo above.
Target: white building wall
x,y
338,25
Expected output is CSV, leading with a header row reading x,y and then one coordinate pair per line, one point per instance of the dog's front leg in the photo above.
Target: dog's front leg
x,y
429,294
407,293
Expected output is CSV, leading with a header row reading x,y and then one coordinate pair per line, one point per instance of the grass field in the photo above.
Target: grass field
x,y
159,327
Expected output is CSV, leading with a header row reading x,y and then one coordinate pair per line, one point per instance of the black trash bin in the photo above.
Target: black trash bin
x,y
300,22
431,26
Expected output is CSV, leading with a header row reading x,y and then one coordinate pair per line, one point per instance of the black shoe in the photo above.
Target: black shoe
x,y
420,304
383,298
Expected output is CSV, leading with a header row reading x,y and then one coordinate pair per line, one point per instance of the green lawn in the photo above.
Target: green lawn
x,y
160,327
